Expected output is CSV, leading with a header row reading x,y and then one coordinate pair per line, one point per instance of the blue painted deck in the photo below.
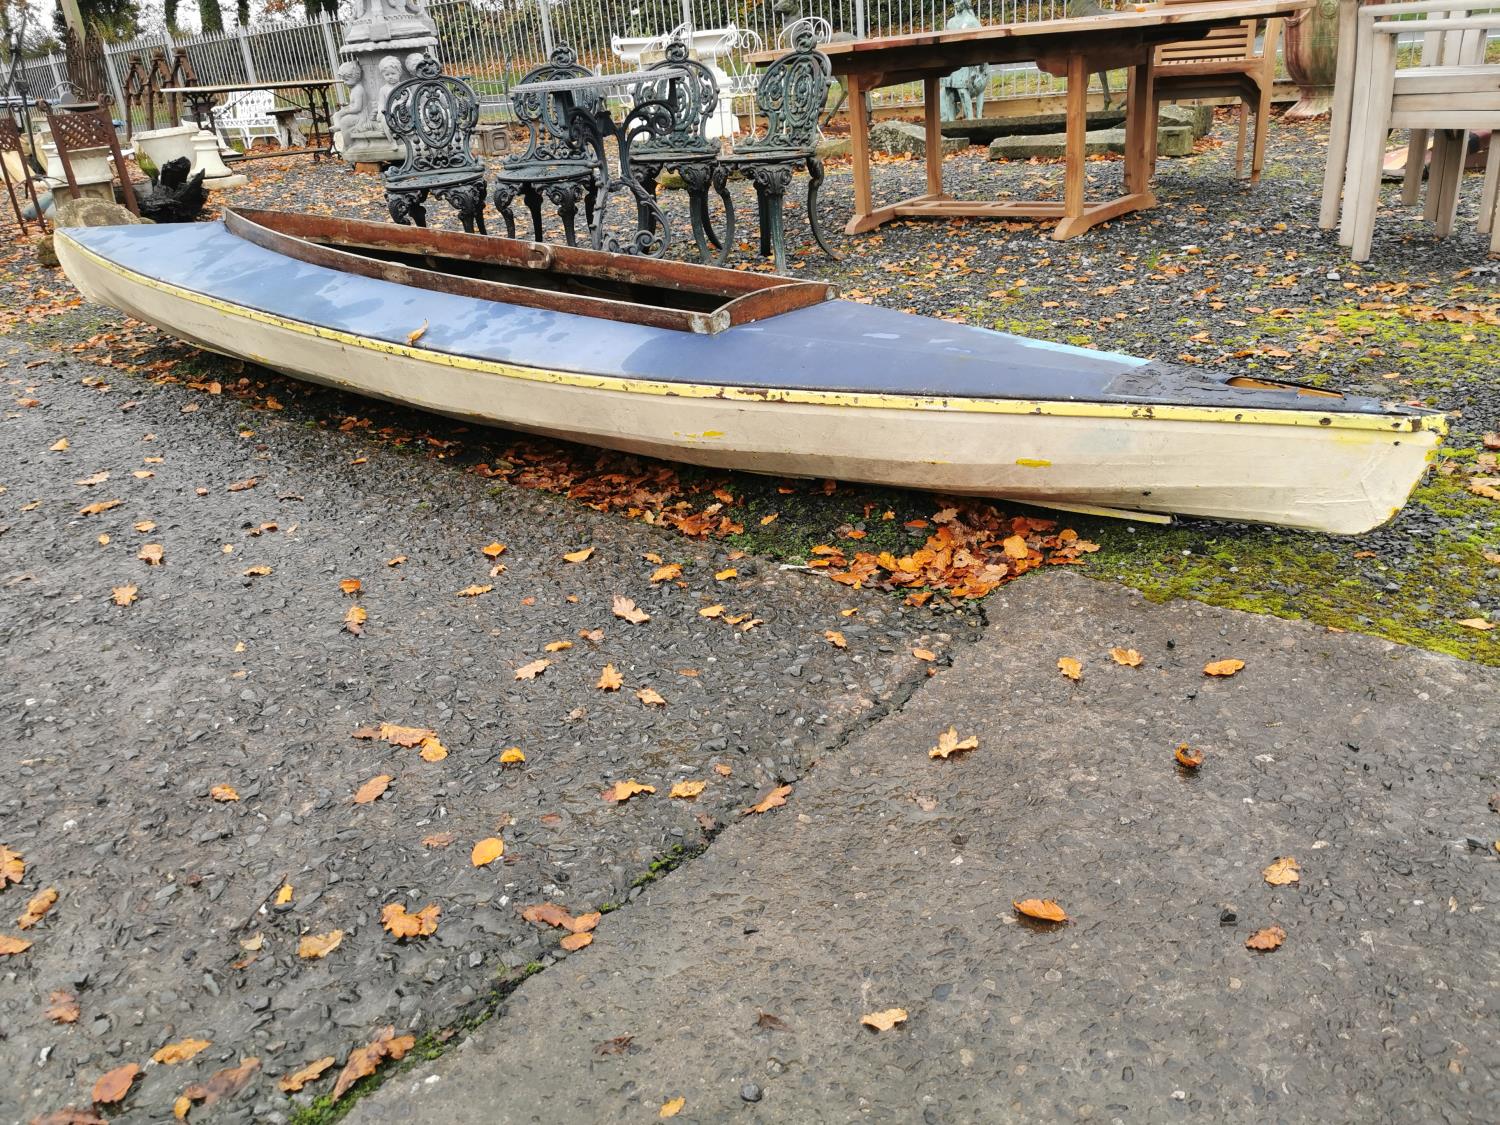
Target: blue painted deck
x,y
836,346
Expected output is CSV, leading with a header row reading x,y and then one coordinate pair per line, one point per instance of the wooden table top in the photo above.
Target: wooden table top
x,y
1001,42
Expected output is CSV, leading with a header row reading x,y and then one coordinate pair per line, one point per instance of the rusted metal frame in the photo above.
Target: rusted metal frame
x,y
10,141
769,298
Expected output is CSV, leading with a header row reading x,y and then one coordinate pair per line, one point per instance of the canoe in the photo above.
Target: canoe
x,y
748,371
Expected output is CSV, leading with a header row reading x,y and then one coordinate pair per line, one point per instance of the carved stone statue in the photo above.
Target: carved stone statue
x,y
963,90
391,74
382,35
356,110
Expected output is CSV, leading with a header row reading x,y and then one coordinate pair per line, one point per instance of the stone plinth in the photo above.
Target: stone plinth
x,y
1171,140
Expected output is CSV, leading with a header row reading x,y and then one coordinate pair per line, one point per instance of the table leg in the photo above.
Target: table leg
x,y
859,154
1077,127
932,102
1140,101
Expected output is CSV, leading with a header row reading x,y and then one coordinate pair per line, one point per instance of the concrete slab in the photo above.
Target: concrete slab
x,y
887,879
1171,140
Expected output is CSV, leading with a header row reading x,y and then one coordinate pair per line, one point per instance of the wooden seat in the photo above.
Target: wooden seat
x,y
1228,63
1458,94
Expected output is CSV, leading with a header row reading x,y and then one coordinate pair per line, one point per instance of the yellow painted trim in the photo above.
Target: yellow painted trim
x,y
1326,420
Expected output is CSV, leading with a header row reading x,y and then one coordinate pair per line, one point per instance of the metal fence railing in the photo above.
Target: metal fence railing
x,y
494,42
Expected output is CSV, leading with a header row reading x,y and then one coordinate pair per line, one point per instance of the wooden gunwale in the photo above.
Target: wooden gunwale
x,y
335,243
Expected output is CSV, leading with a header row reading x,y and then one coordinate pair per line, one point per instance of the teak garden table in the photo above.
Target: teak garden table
x,y
1070,48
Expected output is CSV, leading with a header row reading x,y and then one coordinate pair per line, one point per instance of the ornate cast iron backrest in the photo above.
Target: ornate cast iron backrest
x,y
791,94
545,115
433,115
693,102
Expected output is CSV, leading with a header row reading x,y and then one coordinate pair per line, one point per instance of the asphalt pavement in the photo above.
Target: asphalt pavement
x,y
888,881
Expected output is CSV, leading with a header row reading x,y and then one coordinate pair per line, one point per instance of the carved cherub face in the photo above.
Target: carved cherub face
x,y
413,60
349,73
390,69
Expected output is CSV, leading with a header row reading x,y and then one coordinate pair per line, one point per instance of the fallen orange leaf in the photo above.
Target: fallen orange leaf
x,y
1283,871
370,790
393,917
62,1007
151,554
624,790
40,903
581,555
291,1083
650,697
351,586
672,1107
432,750
363,1061
533,670
475,590
181,1051
666,573
1223,667
1041,909
12,866
1070,667
687,790
10,946
223,793
835,638
314,947
512,756
625,609
1126,656
576,941
416,333
354,620
1266,940
487,851
493,551
610,678
774,799
884,1021
1189,758
711,611
124,595
115,1084
924,654
948,743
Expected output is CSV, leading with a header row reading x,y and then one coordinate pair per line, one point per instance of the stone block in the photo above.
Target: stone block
x,y
1171,140
833,146
1199,118
902,138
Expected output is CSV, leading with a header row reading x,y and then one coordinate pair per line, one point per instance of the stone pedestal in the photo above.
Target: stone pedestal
x,y
91,171
206,159
379,48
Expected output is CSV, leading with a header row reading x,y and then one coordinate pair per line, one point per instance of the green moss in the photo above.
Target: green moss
x,y
323,1110
1319,578
666,863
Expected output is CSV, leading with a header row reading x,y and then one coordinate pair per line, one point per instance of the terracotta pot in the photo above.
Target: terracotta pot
x,y
1311,55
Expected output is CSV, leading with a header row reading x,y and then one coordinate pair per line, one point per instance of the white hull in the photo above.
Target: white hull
x,y
1334,477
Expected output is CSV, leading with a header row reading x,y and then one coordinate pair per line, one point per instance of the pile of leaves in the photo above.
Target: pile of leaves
x,y
967,555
